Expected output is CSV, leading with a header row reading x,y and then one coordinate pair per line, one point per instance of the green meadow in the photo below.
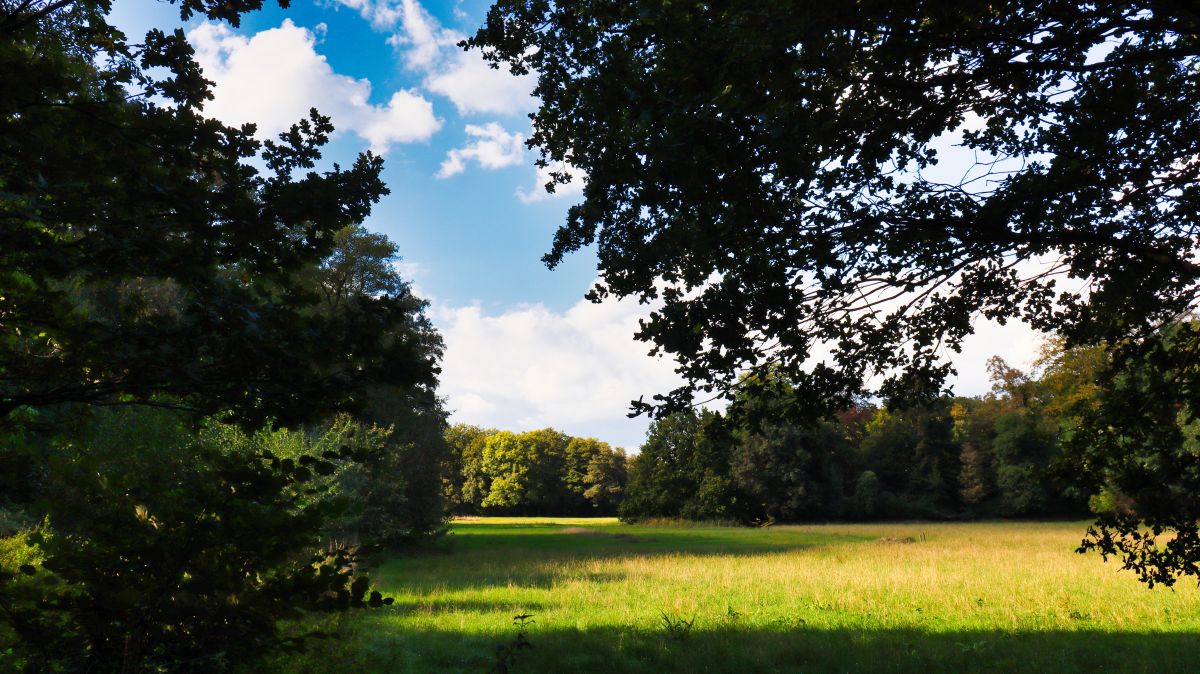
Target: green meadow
x,y
906,597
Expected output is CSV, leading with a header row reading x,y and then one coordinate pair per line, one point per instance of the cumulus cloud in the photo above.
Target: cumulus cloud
x,y
530,367
432,51
492,148
381,15
273,77
538,191
475,87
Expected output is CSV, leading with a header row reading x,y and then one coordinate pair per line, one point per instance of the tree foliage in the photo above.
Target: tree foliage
x,y
400,488
145,255
994,455
683,470
774,168
1148,467
155,258
541,472
771,177
172,550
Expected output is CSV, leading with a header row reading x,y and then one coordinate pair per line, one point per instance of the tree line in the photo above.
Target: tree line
x,y
1000,454
996,455
538,472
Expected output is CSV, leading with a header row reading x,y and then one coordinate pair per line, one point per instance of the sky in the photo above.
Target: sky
x,y
467,209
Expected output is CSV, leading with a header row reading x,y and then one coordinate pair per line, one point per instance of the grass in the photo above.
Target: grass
x,y
608,597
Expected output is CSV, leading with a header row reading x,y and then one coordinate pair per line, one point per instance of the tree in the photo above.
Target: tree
x,y
362,265
546,453
1023,450
525,472
594,476
465,484
771,178
790,471
606,478
974,429
1137,446
146,260
682,470
400,488
1028,415
543,472
1070,380
915,457
767,172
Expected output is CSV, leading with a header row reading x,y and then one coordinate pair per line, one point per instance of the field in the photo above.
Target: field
x,y
607,597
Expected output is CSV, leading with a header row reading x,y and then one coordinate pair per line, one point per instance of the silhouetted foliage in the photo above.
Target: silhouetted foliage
x,y
770,177
952,458
399,490
683,470
506,654
145,256
1137,446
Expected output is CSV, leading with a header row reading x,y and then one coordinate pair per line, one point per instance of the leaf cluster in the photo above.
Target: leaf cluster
x,y
776,179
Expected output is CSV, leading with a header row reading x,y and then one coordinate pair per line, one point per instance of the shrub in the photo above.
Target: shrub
x,y
174,549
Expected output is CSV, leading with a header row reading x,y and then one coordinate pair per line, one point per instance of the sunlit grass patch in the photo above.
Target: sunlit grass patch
x,y
874,597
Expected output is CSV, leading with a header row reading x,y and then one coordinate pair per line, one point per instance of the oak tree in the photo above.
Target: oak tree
x,y
770,174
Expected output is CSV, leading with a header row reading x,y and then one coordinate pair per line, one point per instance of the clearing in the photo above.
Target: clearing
x,y
906,597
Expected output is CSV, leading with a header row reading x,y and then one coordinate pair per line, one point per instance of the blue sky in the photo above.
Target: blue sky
x,y
466,210
469,236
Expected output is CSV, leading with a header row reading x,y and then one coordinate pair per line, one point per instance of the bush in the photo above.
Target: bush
x,y
173,549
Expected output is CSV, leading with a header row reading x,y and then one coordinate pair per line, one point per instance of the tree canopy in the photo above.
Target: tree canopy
x,y
953,458
771,173
151,257
144,254
540,472
776,179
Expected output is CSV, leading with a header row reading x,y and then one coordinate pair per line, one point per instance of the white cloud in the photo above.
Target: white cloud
x,y
492,148
475,87
421,36
1015,342
273,77
530,367
381,15
410,271
538,191
432,50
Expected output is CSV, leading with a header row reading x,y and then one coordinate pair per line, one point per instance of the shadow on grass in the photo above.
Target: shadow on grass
x,y
613,541
441,606
729,649
400,640
542,557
